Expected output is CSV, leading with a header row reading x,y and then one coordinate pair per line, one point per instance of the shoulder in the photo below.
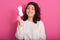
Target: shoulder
x,y
25,22
41,25
40,22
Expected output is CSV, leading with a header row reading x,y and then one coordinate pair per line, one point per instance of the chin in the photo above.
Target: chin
x,y
30,16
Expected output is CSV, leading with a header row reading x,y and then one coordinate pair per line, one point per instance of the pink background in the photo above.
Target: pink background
x,y
50,10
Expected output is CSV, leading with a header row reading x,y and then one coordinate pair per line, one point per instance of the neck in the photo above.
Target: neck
x,y
30,19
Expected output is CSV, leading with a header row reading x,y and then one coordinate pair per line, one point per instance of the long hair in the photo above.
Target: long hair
x,y
37,12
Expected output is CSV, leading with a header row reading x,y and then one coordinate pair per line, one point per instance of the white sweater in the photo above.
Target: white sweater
x,y
31,31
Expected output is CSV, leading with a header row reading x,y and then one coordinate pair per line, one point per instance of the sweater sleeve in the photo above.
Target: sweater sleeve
x,y
42,31
19,32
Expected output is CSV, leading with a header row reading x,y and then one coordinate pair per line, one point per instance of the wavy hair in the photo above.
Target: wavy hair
x,y
37,12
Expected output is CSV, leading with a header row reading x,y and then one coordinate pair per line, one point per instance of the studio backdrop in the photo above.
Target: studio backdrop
x,y
50,14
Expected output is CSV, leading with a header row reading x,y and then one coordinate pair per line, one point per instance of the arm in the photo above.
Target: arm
x,y
19,31
42,31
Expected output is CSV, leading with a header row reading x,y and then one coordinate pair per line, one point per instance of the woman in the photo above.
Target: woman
x,y
31,27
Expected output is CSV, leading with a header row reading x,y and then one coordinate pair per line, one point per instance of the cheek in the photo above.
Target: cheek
x,y
30,13
33,13
27,12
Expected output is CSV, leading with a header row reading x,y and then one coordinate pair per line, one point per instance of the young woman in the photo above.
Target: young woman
x,y
31,27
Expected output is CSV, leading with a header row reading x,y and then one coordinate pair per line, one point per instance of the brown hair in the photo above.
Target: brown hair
x,y
37,12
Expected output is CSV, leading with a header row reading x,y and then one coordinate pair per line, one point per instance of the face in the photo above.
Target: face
x,y
30,11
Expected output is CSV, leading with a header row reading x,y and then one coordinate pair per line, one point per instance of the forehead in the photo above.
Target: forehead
x,y
31,6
